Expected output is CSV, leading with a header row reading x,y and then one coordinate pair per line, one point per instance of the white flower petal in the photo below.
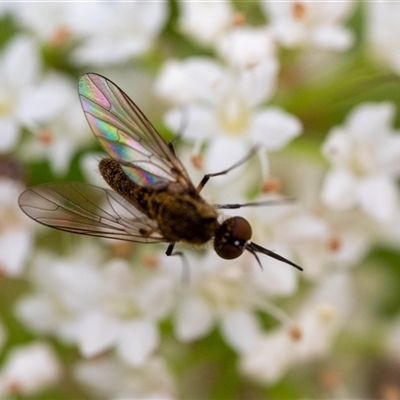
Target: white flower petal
x,y
205,21
12,261
258,84
275,278
268,359
339,190
39,314
378,198
139,340
193,79
96,333
274,128
371,120
388,154
29,369
245,47
337,147
18,72
193,319
222,153
155,297
333,37
240,329
196,120
9,134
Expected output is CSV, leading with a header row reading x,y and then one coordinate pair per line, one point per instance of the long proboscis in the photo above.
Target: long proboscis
x,y
255,204
254,248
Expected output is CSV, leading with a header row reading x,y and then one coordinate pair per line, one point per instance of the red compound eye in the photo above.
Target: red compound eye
x,y
231,238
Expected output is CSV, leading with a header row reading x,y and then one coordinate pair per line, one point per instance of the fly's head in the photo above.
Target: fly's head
x,y
231,237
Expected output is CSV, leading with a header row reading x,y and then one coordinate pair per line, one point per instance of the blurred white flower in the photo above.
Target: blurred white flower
x,y
245,46
22,95
113,32
98,308
319,320
102,32
317,23
205,21
58,15
224,107
227,294
383,32
317,240
109,377
29,369
16,235
364,154
62,130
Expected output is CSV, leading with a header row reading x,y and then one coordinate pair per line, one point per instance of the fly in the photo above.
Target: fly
x,y
152,199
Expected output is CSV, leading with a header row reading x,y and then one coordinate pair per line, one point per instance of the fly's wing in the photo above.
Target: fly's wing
x,y
88,210
128,136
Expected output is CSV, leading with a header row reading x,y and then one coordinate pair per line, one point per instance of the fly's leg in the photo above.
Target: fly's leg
x,y
185,264
207,177
183,125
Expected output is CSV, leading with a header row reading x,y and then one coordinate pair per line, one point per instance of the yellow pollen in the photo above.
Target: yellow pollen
x,y
233,114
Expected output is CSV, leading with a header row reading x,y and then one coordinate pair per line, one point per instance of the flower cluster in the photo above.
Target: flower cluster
x,y
122,320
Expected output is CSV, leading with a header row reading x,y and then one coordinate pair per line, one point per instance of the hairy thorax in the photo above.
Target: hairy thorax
x,y
182,216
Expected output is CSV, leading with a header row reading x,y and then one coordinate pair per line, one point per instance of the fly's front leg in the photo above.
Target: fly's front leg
x,y
183,125
207,177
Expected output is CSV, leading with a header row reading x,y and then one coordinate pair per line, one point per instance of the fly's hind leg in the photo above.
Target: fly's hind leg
x,y
185,264
207,177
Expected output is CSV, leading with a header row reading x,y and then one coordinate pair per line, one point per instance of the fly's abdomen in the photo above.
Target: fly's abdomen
x,y
116,178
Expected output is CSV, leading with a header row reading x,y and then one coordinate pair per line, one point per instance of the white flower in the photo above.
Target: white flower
x,y
205,21
15,230
317,23
109,377
383,32
29,369
58,15
114,32
59,134
245,47
21,92
321,318
99,309
224,293
316,239
364,154
224,107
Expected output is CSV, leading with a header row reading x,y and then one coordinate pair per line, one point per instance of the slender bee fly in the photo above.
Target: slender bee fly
x,y
152,198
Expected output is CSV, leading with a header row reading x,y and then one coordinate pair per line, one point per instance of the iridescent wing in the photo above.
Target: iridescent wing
x,y
128,136
88,210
